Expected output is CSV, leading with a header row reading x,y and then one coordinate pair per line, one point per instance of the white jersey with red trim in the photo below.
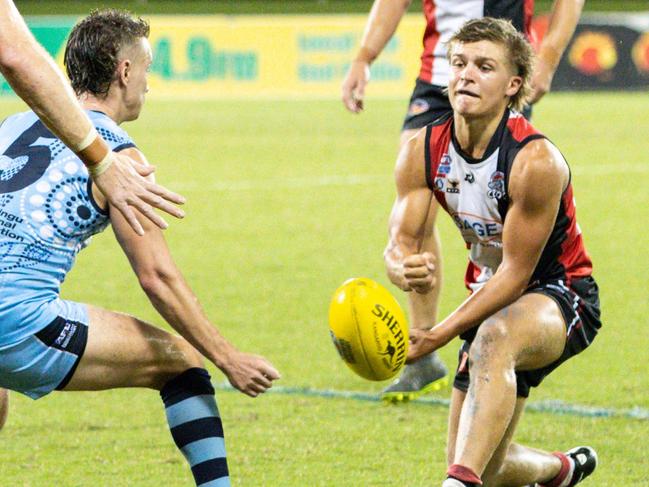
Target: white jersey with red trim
x,y
445,17
474,192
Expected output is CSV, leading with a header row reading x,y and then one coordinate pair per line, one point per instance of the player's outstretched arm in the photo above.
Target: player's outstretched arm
x,y
406,267
172,297
537,180
563,21
382,22
37,80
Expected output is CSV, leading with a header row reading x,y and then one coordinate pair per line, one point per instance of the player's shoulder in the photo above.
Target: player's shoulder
x,y
539,165
521,129
411,163
20,119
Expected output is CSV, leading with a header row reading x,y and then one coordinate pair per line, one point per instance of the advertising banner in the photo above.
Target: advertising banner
x,y
277,56
607,52
291,56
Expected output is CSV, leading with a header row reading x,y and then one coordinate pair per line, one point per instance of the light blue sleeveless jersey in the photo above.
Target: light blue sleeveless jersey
x,y
47,215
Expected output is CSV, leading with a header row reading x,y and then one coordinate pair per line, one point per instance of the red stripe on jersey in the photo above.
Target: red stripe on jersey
x,y
520,128
573,258
440,139
431,38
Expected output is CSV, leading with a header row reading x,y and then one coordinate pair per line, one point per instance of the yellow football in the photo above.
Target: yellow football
x,y
369,329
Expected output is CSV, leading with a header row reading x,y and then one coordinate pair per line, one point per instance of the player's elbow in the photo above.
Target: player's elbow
x,y
156,280
12,63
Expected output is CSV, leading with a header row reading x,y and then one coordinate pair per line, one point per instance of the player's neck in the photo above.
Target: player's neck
x,y
104,105
474,133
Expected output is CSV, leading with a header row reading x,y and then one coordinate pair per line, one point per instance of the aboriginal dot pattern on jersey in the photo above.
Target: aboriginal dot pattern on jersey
x,y
56,148
68,209
31,255
5,198
111,136
9,167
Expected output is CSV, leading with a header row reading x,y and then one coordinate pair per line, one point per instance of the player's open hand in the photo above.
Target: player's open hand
x,y
125,186
353,87
419,273
251,374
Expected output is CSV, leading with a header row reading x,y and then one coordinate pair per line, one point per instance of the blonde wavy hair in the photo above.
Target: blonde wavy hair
x,y
520,53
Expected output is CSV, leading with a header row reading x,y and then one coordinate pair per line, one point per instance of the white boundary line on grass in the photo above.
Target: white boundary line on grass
x,y
551,407
274,184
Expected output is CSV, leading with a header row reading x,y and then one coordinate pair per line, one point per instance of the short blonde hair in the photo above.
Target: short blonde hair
x,y
520,53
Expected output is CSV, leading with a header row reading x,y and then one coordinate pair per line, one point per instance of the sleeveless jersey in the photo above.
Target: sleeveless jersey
x,y
474,193
445,17
47,215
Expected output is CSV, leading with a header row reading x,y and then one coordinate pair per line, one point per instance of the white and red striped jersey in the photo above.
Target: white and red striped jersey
x,y
474,192
445,17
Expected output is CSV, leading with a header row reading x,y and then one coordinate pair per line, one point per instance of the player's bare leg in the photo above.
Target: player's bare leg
x,y
511,464
123,351
4,406
528,334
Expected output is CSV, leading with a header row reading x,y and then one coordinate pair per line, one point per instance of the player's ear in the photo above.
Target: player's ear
x,y
515,83
124,71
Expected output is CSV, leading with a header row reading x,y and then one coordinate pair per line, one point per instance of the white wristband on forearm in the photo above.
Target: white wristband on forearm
x,y
95,153
102,166
87,140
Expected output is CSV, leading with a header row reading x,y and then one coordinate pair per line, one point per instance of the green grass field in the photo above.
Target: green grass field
x,y
148,7
287,200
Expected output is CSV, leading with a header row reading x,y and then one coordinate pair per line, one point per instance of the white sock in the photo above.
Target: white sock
x,y
452,483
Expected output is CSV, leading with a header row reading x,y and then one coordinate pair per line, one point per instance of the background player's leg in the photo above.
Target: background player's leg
x,y
457,399
528,334
429,372
123,351
4,406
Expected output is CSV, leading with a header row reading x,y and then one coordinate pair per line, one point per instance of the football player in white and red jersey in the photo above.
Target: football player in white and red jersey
x,y
429,101
533,303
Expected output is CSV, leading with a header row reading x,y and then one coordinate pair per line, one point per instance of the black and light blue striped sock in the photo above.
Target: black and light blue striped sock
x,y
195,425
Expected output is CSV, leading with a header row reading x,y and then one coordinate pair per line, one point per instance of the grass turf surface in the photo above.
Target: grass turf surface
x,y
286,200
144,7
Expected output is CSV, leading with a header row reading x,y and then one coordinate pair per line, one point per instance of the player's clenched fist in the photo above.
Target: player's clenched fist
x,y
251,374
419,272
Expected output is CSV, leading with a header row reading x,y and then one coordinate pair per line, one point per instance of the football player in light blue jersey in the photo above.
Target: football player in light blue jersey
x,y
48,210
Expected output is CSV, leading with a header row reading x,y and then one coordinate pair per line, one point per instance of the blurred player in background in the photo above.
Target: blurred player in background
x,y
429,102
47,343
534,303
